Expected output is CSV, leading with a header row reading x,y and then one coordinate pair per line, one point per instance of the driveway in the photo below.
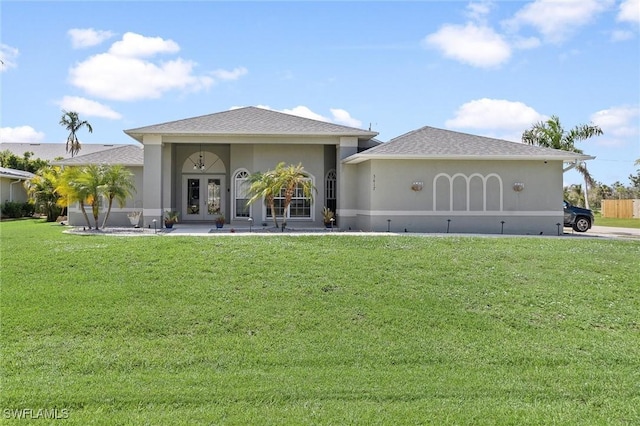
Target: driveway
x,y
607,232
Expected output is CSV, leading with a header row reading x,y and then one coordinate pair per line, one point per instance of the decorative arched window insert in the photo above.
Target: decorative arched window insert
x,y
330,190
241,194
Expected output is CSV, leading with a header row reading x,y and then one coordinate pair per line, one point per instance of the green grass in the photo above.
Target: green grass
x,y
327,329
621,223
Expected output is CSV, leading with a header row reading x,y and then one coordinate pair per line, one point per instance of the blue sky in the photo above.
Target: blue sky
x,y
490,68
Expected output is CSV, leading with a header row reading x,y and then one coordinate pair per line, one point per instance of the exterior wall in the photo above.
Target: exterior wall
x,y
263,157
153,172
348,190
10,191
118,216
463,196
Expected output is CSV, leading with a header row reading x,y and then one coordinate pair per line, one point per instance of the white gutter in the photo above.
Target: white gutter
x,y
11,189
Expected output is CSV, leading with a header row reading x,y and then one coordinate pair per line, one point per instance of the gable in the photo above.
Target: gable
x,y
250,121
432,143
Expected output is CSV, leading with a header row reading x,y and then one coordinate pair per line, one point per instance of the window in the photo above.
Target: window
x,y
300,206
330,191
241,194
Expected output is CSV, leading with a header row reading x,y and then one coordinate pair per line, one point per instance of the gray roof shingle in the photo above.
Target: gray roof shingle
x,y
432,143
126,155
249,121
51,151
15,174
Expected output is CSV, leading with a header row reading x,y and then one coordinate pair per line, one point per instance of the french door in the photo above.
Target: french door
x,y
202,197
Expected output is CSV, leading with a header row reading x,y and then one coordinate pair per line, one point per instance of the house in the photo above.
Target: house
x,y
427,180
12,185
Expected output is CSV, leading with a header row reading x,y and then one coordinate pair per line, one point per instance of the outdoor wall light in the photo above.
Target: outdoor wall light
x,y
518,186
417,186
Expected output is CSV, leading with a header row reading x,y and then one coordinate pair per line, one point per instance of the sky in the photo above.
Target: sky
x,y
490,68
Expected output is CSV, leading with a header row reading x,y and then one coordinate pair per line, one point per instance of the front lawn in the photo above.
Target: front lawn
x,y
620,223
326,329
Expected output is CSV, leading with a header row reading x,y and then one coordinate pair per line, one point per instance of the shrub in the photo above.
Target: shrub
x,y
15,209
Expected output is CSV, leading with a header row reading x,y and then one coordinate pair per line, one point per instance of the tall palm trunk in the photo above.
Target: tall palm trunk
x,y
106,216
272,205
84,213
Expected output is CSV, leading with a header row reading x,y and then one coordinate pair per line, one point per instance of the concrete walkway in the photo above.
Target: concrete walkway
x,y
210,230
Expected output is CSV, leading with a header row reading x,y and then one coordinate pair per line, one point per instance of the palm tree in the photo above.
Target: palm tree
x,y
264,185
291,178
72,123
89,182
72,192
42,191
116,184
551,134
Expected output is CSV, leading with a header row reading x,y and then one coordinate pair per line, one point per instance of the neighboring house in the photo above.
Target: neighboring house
x,y
428,180
130,156
52,151
12,185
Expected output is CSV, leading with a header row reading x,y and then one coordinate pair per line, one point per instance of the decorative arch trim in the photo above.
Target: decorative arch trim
x,y
467,179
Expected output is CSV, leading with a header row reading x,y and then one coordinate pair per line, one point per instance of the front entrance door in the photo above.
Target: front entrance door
x,y
202,197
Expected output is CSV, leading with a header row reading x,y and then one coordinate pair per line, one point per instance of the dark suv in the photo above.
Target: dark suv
x,y
578,218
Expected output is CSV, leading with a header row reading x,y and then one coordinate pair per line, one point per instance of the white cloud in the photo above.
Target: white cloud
x,y
20,134
629,11
126,73
343,117
479,46
339,116
618,121
87,37
303,111
556,20
88,107
478,10
8,57
234,74
497,114
135,45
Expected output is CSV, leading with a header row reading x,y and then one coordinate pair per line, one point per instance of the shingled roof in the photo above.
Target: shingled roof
x,y
126,155
249,121
51,151
432,143
15,174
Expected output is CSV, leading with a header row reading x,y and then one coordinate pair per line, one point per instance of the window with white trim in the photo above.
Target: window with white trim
x,y
299,208
241,194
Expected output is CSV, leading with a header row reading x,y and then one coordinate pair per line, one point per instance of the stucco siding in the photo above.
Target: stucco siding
x,y
12,190
420,195
118,216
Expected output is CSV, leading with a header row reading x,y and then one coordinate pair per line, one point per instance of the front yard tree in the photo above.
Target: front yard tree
x,y
551,134
71,121
291,179
42,190
90,182
264,185
283,181
117,183
72,192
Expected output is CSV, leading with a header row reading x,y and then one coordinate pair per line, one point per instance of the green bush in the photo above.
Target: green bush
x,y
15,209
